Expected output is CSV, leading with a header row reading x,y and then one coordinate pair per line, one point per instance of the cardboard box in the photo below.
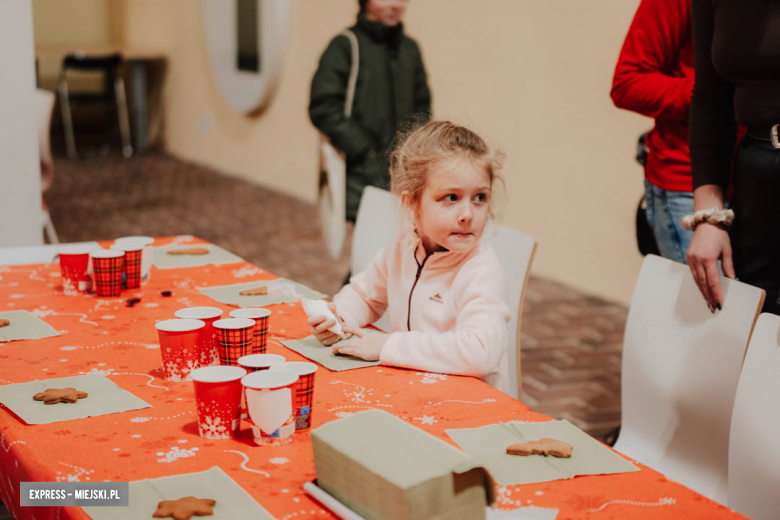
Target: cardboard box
x,y
384,468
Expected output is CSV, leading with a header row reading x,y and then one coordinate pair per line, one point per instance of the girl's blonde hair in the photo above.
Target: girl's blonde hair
x,y
433,142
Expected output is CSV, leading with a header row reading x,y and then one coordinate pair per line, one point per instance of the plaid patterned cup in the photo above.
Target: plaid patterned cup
x,y
108,266
179,347
260,317
303,389
235,337
255,362
146,257
76,270
208,315
218,398
133,250
269,397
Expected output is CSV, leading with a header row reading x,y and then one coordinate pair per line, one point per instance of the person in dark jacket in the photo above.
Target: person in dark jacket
x,y
391,93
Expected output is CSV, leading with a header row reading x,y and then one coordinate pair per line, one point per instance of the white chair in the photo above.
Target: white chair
x,y
44,104
377,222
681,364
754,453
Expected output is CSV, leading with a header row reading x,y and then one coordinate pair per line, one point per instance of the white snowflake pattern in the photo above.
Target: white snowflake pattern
x,y
76,476
430,378
140,419
426,419
279,460
246,271
175,454
212,428
95,371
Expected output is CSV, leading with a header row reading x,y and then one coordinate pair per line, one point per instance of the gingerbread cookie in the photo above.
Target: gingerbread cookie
x,y
255,291
4,323
544,446
189,251
185,508
60,395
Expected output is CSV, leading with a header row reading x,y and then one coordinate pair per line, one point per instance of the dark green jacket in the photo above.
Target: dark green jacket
x,y
391,91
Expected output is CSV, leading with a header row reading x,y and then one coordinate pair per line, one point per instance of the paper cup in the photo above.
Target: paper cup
x,y
218,398
108,266
76,270
208,315
255,362
146,258
260,317
269,404
179,347
133,250
303,390
235,337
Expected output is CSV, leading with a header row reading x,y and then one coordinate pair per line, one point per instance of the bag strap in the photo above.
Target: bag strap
x,y
353,72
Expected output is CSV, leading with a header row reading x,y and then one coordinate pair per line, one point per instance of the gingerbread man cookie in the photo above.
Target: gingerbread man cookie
x,y
185,508
4,323
60,395
189,251
544,446
255,291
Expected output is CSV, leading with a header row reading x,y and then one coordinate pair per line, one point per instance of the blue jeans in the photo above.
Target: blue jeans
x,y
664,211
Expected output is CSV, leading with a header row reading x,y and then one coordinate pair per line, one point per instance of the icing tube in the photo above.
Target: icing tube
x,y
320,308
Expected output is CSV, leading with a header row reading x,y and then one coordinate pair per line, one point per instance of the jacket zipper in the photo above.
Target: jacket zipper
x,y
416,279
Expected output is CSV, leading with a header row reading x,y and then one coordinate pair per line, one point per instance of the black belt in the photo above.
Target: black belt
x,y
766,133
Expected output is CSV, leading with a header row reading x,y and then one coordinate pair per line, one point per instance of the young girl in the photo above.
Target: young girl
x,y
443,286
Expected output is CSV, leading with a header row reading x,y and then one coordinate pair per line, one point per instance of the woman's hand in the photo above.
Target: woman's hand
x,y
365,344
320,325
710,243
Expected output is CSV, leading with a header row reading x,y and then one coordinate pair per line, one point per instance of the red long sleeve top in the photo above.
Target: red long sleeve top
x,y
654,77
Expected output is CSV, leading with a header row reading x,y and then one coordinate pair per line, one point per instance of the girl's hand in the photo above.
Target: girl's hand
x,y
365,344
710,243
320,325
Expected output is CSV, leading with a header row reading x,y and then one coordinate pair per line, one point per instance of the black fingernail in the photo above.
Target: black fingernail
x,y
718,306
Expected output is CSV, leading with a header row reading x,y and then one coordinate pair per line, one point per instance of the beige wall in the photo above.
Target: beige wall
x,y
532,77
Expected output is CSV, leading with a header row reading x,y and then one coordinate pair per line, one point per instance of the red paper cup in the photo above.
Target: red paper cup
x,y
303,389
218,398
235,337
255,362
108,266
179,347
146,257
208,315
76,270
260,317
269,398
133,250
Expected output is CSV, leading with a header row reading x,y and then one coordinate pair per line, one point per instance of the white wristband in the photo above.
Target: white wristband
x,y
722,217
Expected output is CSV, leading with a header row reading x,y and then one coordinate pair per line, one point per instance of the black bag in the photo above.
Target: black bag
x,y
645,238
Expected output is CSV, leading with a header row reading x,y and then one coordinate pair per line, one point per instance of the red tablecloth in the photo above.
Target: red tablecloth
x,y
104,336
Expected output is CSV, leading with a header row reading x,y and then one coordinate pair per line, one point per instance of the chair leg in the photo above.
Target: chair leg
x,y
67,121
124,119
48,228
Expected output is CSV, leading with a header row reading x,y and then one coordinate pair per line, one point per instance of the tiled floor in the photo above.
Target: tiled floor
x,y
571,342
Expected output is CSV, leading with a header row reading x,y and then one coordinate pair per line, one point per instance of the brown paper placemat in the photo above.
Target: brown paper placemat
x,y
310,348
24,325
232,501
105,397
216,255
229,294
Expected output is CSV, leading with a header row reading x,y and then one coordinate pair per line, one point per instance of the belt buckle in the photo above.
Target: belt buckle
x,y
775,139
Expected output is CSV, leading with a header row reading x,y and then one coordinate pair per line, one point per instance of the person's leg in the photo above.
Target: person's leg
x,y
680,204
661,219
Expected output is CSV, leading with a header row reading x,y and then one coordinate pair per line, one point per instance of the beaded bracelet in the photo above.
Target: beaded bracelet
x,y
721,217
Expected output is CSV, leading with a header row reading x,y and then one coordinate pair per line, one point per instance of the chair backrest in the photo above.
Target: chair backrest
x,y
754,453
44,104
681,364
82,61
378,222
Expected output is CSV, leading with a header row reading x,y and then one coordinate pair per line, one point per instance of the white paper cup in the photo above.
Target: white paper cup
x,y
255,362
269,402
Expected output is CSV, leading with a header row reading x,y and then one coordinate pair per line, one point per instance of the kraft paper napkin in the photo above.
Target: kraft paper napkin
x,y
105,397
487,445
24,326
311,348
216,255
229,294
232,501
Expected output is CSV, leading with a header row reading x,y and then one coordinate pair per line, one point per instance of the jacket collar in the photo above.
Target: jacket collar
x,y
440,259
380,32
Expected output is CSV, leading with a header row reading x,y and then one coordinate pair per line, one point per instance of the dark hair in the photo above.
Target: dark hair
x,y
362,4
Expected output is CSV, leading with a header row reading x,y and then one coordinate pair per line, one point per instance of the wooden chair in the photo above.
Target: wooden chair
x,y
754,453
377,223
681,364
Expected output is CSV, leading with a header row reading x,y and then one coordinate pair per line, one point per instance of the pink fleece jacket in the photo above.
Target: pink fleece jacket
x,y
448,311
